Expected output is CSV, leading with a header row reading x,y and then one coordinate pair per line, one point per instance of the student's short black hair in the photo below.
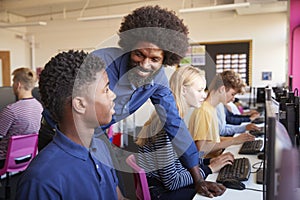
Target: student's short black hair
x,y
65,74
158,26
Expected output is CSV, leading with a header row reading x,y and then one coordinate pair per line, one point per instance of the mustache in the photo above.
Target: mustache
x,y
136,66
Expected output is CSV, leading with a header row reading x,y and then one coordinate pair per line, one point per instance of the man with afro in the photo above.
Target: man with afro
x,y
151,38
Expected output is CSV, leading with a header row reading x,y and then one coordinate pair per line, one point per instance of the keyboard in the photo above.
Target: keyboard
x,y
259,120
251,147
240,169
257,133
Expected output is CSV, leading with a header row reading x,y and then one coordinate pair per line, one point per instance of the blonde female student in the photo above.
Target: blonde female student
x,y
203,124
167,177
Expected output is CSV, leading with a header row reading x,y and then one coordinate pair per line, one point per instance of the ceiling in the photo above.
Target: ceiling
x,y
33,8
37,8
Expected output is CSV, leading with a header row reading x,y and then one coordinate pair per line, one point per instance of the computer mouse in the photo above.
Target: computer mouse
x,y
234,184
261,155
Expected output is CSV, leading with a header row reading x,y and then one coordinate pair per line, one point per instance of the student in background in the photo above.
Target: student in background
x,y
150,38
237,119
233,85
74,87
204,126
22,117
167,178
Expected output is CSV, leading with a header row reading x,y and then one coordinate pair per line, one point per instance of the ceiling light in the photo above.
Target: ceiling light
x,y
102,17
215,8
22,24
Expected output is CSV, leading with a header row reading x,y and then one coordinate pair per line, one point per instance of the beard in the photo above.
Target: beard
x,y
137,80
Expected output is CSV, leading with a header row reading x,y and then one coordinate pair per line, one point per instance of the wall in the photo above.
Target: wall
x,y
268,33
19,49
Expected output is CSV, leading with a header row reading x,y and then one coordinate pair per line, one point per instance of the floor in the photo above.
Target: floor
x,y
126,178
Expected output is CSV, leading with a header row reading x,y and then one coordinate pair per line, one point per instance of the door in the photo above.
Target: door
x,y
5,65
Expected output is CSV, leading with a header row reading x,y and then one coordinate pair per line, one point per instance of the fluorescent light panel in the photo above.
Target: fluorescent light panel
x,y
215,8
103,17
22,24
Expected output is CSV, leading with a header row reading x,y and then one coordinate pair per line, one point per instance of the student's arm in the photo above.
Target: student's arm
x,y
235,119
208,146
120,195
171,174
6,120
182,141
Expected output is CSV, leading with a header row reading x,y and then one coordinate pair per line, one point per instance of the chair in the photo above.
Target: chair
x,y
140,180
21,150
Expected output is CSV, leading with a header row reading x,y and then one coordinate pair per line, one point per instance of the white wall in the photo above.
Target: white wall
x,y
19,49
268,33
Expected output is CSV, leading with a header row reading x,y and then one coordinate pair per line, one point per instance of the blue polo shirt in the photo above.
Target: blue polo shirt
x,y
66,170
129,99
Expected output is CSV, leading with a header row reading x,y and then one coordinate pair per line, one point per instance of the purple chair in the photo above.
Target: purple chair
x,y
21,150
140,179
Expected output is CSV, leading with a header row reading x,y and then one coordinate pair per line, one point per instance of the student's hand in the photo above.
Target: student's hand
x,y
209,189
250,127
254,116
243,138
218,162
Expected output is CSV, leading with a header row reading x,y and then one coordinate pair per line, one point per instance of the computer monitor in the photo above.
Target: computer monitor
x,y
277,144
7,96
260,95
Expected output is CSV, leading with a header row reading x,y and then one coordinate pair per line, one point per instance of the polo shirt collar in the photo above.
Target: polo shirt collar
x,y
69,146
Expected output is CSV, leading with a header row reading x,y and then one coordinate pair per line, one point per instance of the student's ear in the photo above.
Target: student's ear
x,y
222,89
79,104
19,85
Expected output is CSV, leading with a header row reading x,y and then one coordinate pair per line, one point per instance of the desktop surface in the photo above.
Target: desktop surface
x,y
246,194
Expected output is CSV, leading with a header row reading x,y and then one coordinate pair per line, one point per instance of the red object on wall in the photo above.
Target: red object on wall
x,y
294,43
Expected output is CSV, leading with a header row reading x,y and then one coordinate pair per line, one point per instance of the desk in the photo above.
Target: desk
x,y
231,194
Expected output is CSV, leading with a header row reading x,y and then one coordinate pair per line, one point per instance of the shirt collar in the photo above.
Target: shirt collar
x,y
69,146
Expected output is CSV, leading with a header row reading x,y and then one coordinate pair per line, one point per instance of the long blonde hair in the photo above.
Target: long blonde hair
x,y
183,76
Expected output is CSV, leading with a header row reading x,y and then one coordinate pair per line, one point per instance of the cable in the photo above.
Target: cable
x,y
257,168
254,189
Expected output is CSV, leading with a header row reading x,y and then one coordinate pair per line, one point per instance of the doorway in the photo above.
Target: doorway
x,y
5,65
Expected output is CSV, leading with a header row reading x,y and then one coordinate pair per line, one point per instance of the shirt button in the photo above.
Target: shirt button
x,y
97,166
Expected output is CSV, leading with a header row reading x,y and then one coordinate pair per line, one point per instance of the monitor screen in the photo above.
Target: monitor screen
x,y
260,95
7,96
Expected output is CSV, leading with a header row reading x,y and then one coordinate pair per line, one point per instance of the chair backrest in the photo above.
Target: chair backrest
x,y
140,179
21,150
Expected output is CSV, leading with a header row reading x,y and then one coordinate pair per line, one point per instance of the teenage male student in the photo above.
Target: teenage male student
x,y
74,87
152,37
23,116
233,85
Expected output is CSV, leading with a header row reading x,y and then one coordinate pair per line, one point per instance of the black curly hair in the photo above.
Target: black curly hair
x,y
67,74
158,26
